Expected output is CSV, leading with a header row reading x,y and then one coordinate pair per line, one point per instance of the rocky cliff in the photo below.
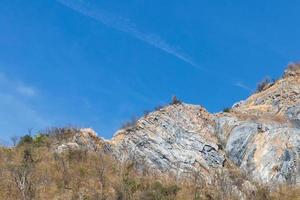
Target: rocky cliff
x,y
177,139
260,135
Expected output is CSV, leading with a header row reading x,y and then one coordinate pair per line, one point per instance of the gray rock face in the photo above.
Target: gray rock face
x,y
177,139
293,114
275,100
261,135
293,70
239,140
82,139
268,152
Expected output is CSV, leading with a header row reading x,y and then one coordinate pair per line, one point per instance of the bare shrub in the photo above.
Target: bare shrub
x,y
293,67
22,175
33,172
158,108
15,140
227,110
175,101
61,134
265,84
130,124
26,139
262,193
159,191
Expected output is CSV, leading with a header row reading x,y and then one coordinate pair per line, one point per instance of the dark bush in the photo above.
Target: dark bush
x,y
159,107
292,70
146,113
130,124
227,110
26,139
265,84
293,67
175,101
40,140
61,134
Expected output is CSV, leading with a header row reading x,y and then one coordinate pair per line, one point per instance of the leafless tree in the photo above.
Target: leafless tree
x,y
15,140
175,101
23,176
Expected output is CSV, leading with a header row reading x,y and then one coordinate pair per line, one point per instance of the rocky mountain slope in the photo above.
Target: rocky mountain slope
x,y
176,139
260,135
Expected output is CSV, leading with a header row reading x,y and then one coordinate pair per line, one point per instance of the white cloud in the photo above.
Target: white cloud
x,y
17,113
17,87
243,86
126,26
26,90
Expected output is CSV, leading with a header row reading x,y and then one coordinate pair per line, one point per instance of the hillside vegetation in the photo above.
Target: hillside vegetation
x,y
34,170
177,152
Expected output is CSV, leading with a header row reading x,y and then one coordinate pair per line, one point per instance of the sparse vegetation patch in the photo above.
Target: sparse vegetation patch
x,y
265,84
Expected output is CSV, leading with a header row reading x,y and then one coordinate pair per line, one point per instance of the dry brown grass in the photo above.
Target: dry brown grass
x,y
79,174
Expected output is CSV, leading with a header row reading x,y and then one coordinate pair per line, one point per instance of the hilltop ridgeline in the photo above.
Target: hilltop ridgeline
x,y
260,135
245,152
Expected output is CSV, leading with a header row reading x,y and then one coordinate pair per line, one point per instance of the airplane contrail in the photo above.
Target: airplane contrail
x,y
126,26
243,86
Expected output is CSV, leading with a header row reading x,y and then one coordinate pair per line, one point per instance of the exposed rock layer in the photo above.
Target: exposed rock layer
x,y
261,135
177,139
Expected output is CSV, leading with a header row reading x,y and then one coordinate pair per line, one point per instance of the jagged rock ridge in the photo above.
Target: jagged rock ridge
x,y
260,135
176,139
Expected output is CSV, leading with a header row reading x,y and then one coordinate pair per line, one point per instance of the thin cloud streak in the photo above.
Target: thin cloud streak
x,y
26,90
17,113
16,86
126,26
243,86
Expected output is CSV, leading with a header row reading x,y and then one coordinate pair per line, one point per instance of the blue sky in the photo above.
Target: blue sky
x,y
95,63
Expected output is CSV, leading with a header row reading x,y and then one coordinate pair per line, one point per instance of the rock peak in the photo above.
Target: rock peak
x,y
260,135
293,70
177,139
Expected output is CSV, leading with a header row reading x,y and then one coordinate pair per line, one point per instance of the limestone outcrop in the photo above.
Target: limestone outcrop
x,y
260,135
177,139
